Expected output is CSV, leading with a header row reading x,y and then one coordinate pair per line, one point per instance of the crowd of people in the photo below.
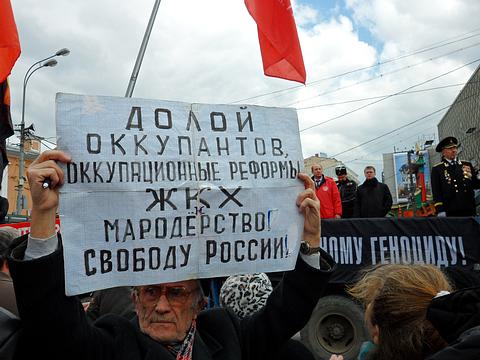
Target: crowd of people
x,y
453,184
343,199
170,321
411,311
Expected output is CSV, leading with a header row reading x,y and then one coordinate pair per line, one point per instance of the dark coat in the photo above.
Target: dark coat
x,y
348,192
57,328
373,200
457,318
452,190
10,333
7,294
466,347
111,301
294,350
3,209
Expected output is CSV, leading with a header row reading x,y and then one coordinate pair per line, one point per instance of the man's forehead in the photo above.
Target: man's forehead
x,y
184,283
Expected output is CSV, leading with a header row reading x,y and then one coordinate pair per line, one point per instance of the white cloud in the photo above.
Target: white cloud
x,y
207,51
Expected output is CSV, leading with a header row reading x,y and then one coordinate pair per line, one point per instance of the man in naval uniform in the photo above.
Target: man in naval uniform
x,y
453,182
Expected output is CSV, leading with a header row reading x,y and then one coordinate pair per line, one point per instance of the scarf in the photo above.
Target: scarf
x,y
183,351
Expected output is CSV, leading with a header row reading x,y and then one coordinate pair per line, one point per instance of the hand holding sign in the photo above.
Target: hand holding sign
x,y
309,205
45,200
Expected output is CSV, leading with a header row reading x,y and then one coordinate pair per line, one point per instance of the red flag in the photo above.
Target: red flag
x,y
277,34
6,127
9,43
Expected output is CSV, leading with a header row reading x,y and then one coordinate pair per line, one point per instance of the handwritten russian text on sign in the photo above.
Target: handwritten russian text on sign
x,y
163,191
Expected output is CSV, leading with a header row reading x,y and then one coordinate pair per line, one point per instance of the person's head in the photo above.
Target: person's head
x,y
166,311
317,170
369,172
396,299
448,147
450,153
341,172
245,294
7,235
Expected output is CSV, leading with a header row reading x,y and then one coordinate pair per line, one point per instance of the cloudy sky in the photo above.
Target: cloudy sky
x,y
356,53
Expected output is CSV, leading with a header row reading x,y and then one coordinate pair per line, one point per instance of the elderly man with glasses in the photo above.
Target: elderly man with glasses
x,y
171,322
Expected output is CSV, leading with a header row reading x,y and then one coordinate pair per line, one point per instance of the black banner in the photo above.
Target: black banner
x,y
359,243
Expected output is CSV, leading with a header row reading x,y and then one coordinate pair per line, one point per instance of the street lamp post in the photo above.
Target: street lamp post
x,y
47,62
141,51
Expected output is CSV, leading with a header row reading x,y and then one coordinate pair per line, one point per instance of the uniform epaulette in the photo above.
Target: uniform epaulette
x,y
440,163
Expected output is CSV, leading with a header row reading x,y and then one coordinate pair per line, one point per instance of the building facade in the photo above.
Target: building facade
x,y
10,175
328,165
462,120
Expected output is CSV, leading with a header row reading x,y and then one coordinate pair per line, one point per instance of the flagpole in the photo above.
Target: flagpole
x,y
141,51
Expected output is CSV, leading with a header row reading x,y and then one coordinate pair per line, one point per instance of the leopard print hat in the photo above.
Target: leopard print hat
x,y
245,294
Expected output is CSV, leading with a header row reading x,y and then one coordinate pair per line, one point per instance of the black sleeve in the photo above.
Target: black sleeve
x,y
115,300
356,207
3,208
466,347
437,189
475,178
387,202
54,324
287,311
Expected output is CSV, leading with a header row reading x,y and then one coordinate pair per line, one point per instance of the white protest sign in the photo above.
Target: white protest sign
x,y
163,191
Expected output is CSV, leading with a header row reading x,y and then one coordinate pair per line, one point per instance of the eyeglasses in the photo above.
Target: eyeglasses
x,y
176,295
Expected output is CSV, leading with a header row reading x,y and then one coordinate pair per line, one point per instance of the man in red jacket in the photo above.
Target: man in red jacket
x,y
328,194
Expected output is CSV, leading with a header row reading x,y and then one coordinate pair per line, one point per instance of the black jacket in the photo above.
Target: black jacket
x,y
465,347
457,319
10,332
348,192
56,326
115,300
373,200
452,189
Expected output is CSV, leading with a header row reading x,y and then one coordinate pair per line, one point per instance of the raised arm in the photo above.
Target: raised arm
x,y
54,325
291,303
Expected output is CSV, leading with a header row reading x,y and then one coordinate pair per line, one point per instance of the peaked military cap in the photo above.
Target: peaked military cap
x,y
447,143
